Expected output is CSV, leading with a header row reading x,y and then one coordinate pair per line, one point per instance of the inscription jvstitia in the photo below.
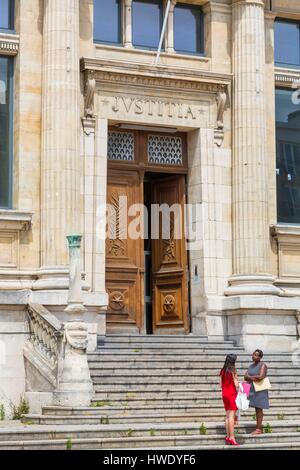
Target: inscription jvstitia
x,y
151,107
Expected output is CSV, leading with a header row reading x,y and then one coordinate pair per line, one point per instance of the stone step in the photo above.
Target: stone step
x,y
155,400
105,417
98,369
184,388
282,382
185,443
204,361
200,353
63,431
170,347
104,408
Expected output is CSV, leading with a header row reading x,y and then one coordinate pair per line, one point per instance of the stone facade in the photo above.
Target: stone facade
x,y
245,271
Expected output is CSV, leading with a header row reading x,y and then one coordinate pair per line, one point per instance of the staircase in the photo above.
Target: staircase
x,y
162,392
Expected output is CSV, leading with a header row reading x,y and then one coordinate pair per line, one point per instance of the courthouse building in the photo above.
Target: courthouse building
x,y
92,110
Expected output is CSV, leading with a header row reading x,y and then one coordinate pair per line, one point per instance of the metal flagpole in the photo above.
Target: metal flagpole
x,y
162,32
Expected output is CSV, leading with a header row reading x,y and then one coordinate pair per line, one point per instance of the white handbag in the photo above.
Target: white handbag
x,y
241,400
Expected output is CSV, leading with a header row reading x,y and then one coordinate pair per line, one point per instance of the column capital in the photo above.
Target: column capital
x,y
236,3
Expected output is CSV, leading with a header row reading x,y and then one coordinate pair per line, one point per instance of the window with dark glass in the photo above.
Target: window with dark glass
x,y
188,29
5,131
287,43
147,18
107,21
288,156
6,14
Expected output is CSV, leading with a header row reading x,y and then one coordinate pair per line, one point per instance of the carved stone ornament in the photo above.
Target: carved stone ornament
x,y
222,99
76,335
89,97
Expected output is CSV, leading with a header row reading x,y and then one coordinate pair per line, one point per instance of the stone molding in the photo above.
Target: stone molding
x,y
163,77
9,44
15,220
285,77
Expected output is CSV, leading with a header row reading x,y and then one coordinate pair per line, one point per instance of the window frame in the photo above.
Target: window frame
x,y
11,28
284,64
120,28
186,6
277,145
162,12
10,82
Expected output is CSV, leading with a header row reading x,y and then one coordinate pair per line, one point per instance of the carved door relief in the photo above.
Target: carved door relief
x,y
124,256
169,260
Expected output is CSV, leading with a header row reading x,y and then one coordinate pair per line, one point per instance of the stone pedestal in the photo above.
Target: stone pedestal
x,y
250,197
75,386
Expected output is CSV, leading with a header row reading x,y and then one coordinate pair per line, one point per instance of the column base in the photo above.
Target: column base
x,y
256,284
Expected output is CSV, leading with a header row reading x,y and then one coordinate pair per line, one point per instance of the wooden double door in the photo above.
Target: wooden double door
x,y
146,260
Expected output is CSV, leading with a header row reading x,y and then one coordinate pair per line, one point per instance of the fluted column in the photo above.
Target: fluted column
x,y
60,130
250,194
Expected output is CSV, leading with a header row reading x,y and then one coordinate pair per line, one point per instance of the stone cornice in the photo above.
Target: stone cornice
x,y
287,77
9,44
15,220
156,77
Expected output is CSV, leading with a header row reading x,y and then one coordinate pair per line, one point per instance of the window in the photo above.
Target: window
x,y
5,131
147,18
6,14
188,29
287,43
107,21
288,156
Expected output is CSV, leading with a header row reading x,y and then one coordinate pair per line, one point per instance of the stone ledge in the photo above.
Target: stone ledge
x,y
15,219
260,303
9,44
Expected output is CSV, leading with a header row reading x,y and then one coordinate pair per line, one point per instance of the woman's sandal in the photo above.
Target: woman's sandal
x,y
256,432
233,442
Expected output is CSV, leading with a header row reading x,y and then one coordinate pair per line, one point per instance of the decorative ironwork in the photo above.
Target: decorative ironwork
x,y
120,146
169,304
165,150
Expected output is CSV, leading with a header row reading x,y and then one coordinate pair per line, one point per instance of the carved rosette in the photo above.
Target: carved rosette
x,y
116,301
169,304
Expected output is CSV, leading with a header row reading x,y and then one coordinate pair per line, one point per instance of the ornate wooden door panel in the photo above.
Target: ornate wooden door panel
x,y
169,261
124,256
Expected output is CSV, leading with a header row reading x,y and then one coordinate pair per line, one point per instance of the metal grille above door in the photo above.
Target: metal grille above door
x,y
120,146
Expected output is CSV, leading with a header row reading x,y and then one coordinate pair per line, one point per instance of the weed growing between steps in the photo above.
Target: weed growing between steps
x,y
203,430
2,412
268,429
21,409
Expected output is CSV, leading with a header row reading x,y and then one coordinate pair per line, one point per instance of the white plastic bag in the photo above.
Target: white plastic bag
x,y
241,400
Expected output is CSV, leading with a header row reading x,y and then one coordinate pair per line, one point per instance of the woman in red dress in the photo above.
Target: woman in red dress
x,y
229,384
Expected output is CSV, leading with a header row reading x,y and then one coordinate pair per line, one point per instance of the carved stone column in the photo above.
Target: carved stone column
x,y
250,196
60,191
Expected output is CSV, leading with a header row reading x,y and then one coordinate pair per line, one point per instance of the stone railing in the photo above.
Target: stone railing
x,y
45,345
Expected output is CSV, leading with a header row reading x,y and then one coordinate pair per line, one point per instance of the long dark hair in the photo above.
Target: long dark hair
x,y
229,364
